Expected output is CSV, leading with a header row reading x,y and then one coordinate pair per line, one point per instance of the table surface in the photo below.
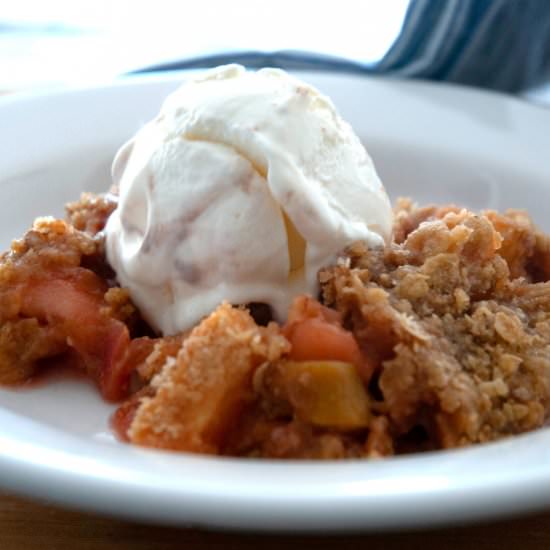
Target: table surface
x,y
28,525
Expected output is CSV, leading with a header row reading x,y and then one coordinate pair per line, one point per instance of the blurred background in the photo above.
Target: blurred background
x,y
497,44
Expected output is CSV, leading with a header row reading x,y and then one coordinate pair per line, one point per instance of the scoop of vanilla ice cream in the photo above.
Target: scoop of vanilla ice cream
x,y
241,189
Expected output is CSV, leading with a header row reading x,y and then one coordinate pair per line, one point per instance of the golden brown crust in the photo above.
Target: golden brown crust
x,y
51,245
462,344
91,212
52,301
200,393
164,349
379,442
23,342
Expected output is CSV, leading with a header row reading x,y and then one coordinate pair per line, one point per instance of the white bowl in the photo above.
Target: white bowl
x,y
435,143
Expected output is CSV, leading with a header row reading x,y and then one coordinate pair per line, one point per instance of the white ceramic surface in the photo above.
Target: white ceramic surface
x,y
432,142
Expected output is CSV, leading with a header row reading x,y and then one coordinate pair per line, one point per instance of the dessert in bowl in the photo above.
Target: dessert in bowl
x,y
245,289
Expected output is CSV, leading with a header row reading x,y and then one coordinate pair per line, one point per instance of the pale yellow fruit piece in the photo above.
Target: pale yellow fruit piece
x,y
326,393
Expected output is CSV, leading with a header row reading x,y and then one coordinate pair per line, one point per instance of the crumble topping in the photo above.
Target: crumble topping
x,y
439,340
